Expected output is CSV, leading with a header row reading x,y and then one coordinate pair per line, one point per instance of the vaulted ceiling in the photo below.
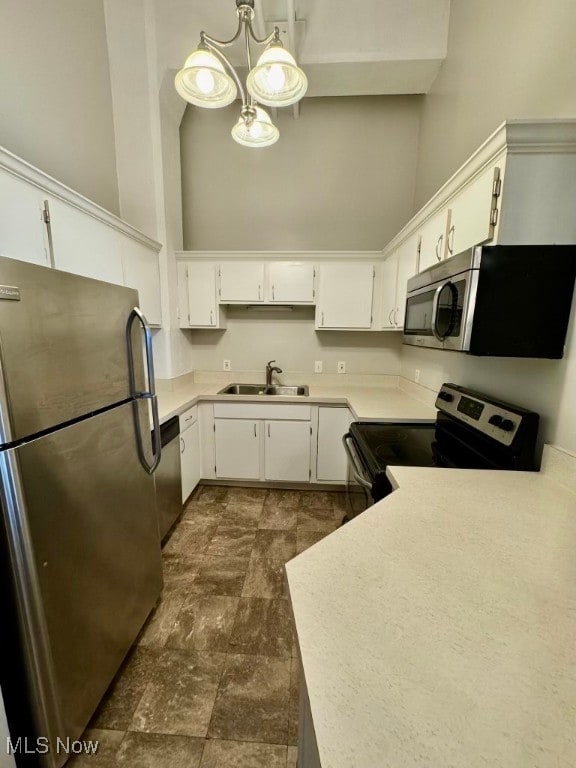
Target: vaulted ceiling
x,y
358,47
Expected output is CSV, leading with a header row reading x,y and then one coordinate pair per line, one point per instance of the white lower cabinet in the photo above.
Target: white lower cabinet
x,y
190,463
331,462
237,448
287,451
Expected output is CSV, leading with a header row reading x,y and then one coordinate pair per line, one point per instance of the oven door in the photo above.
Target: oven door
x,y
438,315
359,486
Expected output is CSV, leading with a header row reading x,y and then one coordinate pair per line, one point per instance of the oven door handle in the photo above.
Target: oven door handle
x,y
357,473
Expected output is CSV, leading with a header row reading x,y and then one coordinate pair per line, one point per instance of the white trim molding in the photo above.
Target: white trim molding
x,y
30,174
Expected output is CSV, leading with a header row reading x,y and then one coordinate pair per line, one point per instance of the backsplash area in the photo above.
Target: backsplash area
x,y
253,337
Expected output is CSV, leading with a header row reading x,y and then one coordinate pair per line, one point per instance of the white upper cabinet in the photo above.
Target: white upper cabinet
x,y
84,245
433,238
23,233
290,283
407,256
197,295
241,282
141,271
345,295
389,272
287,451
474,212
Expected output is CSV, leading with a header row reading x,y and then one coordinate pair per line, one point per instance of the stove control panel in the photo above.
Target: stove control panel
x,y
491,418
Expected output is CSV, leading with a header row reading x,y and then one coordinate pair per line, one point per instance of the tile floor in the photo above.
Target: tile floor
x,y
213,679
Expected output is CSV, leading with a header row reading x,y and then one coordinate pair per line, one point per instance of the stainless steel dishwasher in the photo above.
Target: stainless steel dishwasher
x,y
168,477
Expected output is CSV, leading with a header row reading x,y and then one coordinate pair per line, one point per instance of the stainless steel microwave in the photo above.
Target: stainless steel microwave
x,y
503,300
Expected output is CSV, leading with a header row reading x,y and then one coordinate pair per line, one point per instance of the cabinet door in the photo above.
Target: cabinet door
x,y
287,451
241,282
389,279
190,459
345,295
85,246
290,283
237,443
141,271
433,236
201,307
331,462
23,233
407,268
474,212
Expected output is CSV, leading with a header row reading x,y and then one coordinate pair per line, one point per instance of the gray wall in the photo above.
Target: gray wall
x,y
340,178
55,101
507,59
512,59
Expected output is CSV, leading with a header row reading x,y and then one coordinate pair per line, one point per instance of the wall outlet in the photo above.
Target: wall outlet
x,y
226,365
342,367
417,375
318,366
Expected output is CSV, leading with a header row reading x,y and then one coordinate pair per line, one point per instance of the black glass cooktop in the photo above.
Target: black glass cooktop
x,y
383,445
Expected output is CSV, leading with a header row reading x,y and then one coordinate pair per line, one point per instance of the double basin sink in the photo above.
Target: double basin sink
x,y
262,389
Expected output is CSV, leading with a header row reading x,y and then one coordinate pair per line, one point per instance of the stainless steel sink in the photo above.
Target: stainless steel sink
x,y
243,389
300,391
260,389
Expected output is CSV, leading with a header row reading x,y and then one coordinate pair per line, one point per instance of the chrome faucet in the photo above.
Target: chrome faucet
x,y
270,369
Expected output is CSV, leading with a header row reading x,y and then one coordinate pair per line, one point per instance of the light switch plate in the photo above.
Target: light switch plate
x,y
318,366
226,366
342,367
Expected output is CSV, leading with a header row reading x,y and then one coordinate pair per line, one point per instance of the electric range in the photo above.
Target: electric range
x,y
471,431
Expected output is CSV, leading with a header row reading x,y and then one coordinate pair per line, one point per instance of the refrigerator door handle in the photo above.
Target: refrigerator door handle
x,y
150,394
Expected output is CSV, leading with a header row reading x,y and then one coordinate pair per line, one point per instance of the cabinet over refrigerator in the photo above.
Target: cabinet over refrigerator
x,y
79,540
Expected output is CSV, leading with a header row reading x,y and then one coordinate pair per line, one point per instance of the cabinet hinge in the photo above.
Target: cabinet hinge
x,y
497,187
494,216
46,213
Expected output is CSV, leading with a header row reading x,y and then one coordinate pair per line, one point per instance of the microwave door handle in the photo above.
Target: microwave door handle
x,y
356,471
435,308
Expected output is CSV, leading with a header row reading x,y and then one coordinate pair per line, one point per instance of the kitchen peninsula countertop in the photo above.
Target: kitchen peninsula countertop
x,y
438,627
366,403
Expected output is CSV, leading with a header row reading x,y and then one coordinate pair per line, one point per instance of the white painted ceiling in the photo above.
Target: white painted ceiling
x,y
347,47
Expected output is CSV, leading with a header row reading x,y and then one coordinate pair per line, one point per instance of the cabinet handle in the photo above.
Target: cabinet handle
x,y
268,429
182,445
255,433
395,316
211,317
259,293
440,239
451,242
390,317
272,293
322,319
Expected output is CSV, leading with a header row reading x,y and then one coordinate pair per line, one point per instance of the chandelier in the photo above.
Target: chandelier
x,y
209,80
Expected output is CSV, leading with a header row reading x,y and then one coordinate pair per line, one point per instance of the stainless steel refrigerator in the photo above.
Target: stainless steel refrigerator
x,y
80,541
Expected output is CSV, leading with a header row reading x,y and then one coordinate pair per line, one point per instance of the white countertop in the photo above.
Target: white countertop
x,y
438,628
366,403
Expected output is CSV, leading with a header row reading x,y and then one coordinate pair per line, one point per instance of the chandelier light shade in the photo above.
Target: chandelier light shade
x,y
255,129
209,80
276,80
203,81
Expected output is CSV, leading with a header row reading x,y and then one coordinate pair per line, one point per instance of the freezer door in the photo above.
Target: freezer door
x,y
82,527
62,347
